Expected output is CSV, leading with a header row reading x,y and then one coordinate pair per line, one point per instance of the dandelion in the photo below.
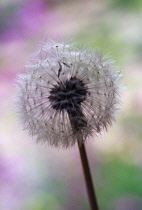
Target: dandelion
x,y
68,95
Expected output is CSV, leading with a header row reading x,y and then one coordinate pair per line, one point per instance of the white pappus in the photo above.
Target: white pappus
x,y
67,94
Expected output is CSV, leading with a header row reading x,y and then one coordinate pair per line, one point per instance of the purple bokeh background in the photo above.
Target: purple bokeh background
x,y
37,177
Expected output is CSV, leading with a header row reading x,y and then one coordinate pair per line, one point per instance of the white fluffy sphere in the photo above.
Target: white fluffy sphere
x,y
67,94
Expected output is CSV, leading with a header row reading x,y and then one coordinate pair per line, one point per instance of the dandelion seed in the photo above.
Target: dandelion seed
x,y
68,91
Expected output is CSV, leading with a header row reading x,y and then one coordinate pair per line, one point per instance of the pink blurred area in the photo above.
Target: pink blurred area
x,y
23,19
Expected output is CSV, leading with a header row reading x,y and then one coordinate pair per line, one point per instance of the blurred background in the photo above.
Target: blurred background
x,y
36,177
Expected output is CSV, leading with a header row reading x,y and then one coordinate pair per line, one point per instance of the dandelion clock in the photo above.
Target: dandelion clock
x,y
68,96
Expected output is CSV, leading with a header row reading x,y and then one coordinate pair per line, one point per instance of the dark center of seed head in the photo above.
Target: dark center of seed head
x,y
68,96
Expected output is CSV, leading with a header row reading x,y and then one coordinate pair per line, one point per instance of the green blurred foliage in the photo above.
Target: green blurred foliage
x,y
132,126
127,4
104,37
118,178
101,39
43,201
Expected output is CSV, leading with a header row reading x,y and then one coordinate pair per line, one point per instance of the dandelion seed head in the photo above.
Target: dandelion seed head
x,y
67,93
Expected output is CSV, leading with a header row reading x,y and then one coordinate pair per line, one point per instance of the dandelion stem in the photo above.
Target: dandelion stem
x,y
77,121
87,176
